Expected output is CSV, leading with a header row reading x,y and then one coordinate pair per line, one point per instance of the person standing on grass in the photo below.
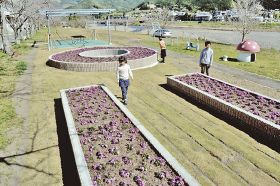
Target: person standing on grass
x,y
162,49
123,73
206,58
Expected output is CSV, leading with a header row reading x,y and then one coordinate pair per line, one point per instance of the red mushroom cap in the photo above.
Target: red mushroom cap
x,y
249,45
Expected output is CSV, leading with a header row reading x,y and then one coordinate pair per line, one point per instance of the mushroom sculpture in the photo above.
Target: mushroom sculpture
x,y
248,50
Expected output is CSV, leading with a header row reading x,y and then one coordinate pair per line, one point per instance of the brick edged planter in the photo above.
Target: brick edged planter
x,y
145,62
83,169
255,122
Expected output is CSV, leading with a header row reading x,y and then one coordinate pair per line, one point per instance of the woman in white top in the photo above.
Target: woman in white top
x,y
123,73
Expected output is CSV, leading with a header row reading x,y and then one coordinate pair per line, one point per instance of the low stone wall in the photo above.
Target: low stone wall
x,y
103,66
253,121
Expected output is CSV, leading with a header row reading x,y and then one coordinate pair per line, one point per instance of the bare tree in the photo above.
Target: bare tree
x,y
162,17
245,19
23,14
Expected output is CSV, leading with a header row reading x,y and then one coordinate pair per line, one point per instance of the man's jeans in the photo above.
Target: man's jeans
x,y
124,87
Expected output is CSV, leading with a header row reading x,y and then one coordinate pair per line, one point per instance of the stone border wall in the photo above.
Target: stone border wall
x,y
253,121
103,66
81,164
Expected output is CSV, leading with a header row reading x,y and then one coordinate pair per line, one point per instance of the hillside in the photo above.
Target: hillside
x,y
116,4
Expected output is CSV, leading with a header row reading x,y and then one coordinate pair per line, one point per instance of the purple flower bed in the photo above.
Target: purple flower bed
x,y
73,55
256,104
115,151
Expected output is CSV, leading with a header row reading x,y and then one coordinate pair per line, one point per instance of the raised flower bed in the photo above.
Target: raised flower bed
x,y
102,58
258,111
111,147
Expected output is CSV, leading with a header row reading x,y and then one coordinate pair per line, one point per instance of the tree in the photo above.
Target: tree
x,y
162,17
209,5
23,14
246,21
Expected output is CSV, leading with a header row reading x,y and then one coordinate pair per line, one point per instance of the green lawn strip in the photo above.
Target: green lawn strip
x,y
225,25
211,144
267,63
8,120
10,69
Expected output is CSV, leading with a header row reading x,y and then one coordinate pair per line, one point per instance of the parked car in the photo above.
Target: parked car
x,y
203,16
162,33
219,16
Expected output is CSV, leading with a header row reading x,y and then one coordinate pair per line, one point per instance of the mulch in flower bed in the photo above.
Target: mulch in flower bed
x,y
73,55
115,152
264,107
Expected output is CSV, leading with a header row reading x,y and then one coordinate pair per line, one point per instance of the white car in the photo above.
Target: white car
x,y
162,33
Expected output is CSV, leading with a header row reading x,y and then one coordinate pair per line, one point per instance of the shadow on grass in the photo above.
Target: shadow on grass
x,y
11,160
68,165
49,64
256,134
230,59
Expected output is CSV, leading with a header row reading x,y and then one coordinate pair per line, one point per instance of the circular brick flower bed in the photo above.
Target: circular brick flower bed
x,y
102,58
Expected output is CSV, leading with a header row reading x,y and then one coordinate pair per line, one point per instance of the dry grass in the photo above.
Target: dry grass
x,y
212,150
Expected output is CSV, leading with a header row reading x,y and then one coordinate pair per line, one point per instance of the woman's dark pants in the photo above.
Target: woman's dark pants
x,y
124,87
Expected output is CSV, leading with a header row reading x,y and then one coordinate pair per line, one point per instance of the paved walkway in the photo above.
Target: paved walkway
x,y
27,161
266,39
13,154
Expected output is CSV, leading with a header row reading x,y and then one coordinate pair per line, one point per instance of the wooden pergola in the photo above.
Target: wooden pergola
x,y
76,12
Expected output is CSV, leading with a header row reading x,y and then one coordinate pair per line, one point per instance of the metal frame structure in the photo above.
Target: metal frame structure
x,y
76,12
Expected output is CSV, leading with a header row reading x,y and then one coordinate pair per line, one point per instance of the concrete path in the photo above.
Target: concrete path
x,y
27,161
13,154
264,39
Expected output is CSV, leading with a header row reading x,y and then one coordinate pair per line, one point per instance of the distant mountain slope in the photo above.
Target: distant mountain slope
x,y
116,4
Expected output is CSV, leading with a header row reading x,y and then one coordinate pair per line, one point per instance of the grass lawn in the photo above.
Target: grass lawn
x,y
10,69
212,150
267,63
226,25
